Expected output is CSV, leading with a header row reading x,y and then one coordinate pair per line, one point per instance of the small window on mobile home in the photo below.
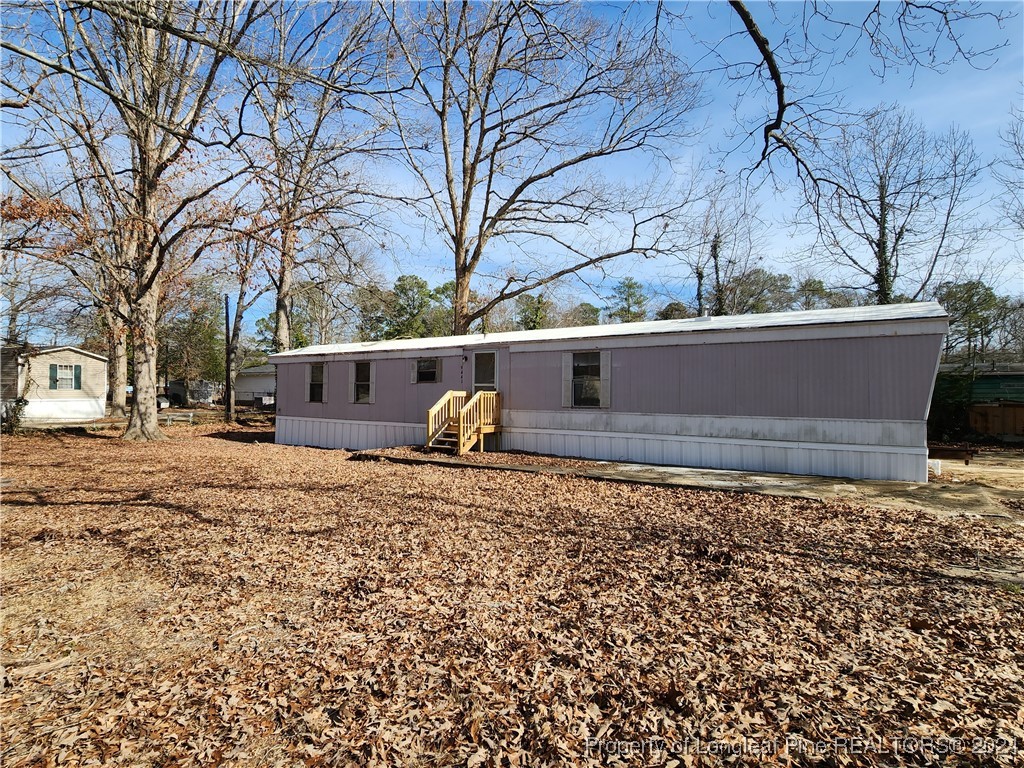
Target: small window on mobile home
x,y
586,380
65,376
316,382
362,384
428,370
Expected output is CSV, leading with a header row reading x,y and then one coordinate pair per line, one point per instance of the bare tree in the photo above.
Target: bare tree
x,y
244,266
787,77
325,296
901,215
308,127
718,240
513,112
81,242
1010,172
132,85
32,288
753,291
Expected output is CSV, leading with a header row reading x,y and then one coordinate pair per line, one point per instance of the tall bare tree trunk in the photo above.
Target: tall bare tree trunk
x,y
283,301
883,254
117,367
461,317
718,307
699,273
144,421
9,289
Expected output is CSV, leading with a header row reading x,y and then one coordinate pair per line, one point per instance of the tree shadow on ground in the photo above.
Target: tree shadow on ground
x,y
256,436
57,433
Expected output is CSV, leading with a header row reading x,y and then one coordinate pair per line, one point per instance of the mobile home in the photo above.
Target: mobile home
x,y
60,383
841,392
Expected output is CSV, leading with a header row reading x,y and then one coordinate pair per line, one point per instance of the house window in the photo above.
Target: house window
x,y
316,382
428,370
586,380
65,377
362,385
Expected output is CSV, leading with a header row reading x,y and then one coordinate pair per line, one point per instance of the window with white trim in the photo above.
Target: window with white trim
x,y
316,382
362,382
428,370
586,379
65,376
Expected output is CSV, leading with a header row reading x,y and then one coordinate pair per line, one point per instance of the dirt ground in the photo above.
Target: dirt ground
x,y
991,467
217,599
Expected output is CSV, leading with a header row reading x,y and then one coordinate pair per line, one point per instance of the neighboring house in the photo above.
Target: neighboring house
x,y
995,406
990,382
60,383
199,392
256,385
841,392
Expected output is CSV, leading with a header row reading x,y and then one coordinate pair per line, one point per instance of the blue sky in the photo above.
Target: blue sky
x,y
977,98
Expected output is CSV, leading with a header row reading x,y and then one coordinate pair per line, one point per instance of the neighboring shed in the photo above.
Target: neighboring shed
x,y
197,392
256,385
60,383
983,399
840,392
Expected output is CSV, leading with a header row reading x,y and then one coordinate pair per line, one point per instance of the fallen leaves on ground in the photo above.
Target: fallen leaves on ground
x,y
216,599
518,458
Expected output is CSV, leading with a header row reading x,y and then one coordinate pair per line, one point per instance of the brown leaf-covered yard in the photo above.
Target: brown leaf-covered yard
x,y
213,599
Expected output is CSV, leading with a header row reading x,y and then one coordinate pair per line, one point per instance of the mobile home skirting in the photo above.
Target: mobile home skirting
x,y
351,435
65,409
848,452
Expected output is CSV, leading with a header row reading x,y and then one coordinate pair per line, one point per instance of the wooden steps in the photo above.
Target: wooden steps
x,y
456,423
447,441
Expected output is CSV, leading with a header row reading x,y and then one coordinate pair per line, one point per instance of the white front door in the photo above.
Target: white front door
x,y
485,372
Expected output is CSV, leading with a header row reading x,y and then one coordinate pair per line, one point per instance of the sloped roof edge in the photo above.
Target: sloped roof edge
x,y
64,348
891,312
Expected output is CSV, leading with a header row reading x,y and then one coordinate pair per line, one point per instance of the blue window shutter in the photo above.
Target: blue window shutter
x,y
78,377
53,375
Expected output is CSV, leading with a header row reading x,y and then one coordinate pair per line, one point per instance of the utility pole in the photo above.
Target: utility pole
x,y
229,395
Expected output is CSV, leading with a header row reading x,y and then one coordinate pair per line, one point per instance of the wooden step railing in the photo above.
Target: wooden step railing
x,y
469,418
482,413
444,412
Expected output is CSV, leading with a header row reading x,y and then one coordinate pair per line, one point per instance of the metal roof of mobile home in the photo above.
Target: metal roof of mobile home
x,y
806,318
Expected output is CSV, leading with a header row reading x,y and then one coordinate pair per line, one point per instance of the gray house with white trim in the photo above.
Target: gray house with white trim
x,y
841,392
